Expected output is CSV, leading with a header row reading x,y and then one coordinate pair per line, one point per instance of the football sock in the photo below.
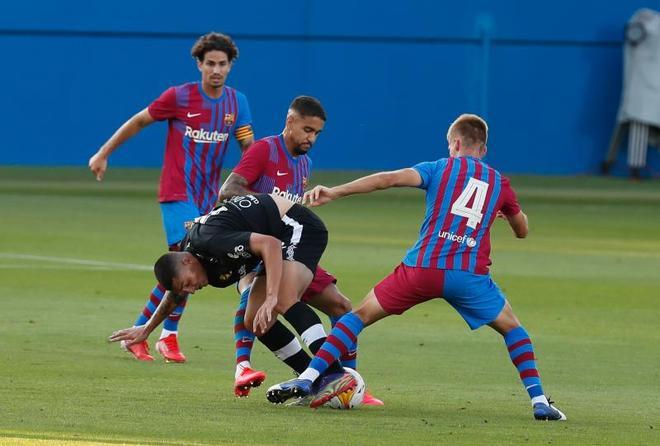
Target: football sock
x,y
165,333
308,325
154,299
243,338
521,352
286,347
342,336
349,359
172,322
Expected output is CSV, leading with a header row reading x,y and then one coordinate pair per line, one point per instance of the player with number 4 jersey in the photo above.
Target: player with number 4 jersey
x,y
450,259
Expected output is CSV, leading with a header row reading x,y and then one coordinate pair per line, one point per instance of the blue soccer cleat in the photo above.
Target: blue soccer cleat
x,y
548,412
293,388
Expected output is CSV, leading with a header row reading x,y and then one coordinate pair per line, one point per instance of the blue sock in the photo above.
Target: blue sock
x,y
349,359
341,338
172,321
521,352
243,337
154,299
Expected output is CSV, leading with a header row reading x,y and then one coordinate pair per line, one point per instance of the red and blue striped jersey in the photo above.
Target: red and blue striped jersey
x,y
197,139
269,168
463,196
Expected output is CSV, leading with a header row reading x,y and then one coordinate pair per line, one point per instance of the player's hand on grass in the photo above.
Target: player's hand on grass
x,y
133,335
98,164
265,317
318,196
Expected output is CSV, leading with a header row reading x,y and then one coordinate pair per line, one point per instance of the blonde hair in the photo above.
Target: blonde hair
x,y
471,129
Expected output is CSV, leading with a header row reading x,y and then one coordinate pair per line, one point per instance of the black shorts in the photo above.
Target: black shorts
x,y
304,238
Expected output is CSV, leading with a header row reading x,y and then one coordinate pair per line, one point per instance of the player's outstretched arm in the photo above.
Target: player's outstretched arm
x,y
519,224
378,181
135,335
98,163
318,196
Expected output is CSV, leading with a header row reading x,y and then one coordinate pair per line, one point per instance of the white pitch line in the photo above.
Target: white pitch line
x,y
58,267
72,261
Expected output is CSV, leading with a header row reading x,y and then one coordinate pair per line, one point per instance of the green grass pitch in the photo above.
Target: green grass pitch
x,y
75,264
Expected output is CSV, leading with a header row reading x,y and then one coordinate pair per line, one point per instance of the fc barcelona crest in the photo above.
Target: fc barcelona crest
x,y
304,182
229,119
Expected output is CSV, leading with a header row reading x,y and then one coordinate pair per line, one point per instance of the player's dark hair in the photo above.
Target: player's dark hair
x,y
166,268
472,130
308,106
214,42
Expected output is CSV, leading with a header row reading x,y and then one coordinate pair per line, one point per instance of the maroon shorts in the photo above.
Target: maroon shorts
x,y
476,297
322,279
406,287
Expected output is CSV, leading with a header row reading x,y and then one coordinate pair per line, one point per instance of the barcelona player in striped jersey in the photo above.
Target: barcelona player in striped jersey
x,y
281,165
450,259
202,117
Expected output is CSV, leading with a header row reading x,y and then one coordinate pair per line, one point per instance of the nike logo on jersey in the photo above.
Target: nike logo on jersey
x,y
192,115
281,174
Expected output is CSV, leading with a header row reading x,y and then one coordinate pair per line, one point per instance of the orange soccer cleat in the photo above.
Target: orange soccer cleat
x,y
369,400
168,347
246,380
139,351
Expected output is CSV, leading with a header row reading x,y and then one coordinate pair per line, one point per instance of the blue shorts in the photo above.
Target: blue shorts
x,y
175,215
476,297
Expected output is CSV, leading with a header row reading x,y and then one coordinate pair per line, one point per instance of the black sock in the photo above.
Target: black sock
x,y
286,347
308,325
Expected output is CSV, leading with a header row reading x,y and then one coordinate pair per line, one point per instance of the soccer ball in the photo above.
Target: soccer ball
x,y
352,398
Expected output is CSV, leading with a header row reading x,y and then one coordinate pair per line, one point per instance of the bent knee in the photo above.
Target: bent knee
x,y
341,306
283,305
333,303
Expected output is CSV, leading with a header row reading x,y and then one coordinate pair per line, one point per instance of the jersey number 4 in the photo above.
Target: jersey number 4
x,y
476,189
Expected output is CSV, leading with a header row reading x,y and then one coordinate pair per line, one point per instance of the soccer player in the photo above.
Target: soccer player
x,y
280,165
201,117
449,260
222,246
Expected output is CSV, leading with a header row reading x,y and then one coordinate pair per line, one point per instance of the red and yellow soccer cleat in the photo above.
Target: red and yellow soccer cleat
x,y
139,351
168,347
370,400
246,380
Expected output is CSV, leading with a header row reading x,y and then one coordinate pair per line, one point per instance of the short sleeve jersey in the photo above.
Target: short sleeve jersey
x,y
221,239
199,129
463,196
269,168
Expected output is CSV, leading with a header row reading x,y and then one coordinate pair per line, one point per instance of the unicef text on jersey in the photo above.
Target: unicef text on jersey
x,y
458,238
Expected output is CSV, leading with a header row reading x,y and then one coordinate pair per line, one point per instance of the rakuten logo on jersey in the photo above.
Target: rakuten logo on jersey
x,y
458,238
288,195
204,136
